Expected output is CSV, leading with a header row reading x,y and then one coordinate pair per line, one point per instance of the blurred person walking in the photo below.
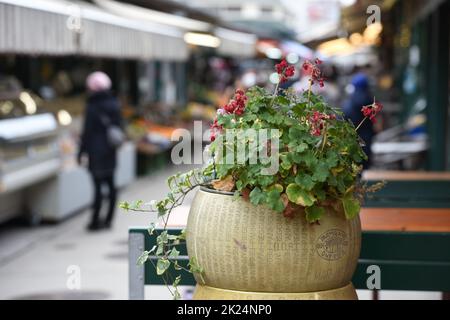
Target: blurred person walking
x,y
102,111
361,96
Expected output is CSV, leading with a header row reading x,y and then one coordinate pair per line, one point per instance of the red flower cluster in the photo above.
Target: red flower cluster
x,y
313,70
237,104
284,70
372,110
215,129
318,122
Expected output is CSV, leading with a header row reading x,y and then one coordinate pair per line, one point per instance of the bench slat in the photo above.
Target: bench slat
x,y
411,193
423,246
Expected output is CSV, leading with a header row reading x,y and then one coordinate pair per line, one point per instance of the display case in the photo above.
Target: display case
x,y
40,177
29,154
71,189
28,151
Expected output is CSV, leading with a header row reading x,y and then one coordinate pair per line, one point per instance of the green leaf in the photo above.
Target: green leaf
x,y
321,172
282,100
299,109
174,253
301,147
177,281
182,235
351,206
151,229
257,196
331,159
319,193
125,205
305,181
194,267
143,257
170,180
296,134
308,158
172,237
263,180
299,196
162,238
278,187
162,210
137,204
162,265
160,249
274,200
249,117
285,162
176,266
314,213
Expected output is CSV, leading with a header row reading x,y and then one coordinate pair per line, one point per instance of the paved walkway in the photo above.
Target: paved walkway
x,y
37,262
34,262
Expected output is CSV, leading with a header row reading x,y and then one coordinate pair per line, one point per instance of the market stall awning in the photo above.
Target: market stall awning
x,y
144,14
237,44
232,43
36,27
107,34
74,27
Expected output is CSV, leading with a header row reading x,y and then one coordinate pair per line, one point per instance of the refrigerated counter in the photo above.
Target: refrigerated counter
x,y
71,190
29,154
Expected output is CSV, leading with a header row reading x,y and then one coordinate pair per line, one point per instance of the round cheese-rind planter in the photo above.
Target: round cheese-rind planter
x,y
253,249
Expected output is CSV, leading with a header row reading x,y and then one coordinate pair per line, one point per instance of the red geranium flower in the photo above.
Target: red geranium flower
x,y
237,104
372,110
215,129
313,71
317,121
284,70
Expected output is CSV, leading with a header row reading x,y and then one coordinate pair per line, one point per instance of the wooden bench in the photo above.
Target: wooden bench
x,y
412,254
409,189
406,232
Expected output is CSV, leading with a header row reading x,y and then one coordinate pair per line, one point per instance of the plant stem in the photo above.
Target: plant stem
x,y
324,142
275,93
309,91
214,166
164,278
359,125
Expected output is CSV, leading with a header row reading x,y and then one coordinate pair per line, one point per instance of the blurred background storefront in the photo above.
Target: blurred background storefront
x,y
413,73
159,63
172,62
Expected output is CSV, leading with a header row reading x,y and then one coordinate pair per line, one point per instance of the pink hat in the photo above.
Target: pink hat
x,y
98,81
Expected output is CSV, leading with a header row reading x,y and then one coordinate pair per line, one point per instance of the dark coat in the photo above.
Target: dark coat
x,y
352,110
102,156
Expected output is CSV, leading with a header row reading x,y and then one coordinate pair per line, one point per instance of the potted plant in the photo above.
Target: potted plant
x,y
276,215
